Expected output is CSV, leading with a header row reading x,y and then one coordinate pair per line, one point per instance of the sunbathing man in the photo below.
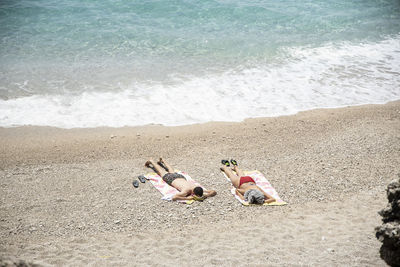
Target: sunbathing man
x,y
246,187
188,190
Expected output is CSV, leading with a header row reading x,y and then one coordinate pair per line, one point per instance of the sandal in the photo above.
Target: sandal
x,y
225,162
136,183
142,179
234,162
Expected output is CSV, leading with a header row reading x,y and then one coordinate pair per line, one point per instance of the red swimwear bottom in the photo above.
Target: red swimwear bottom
x,y
246,179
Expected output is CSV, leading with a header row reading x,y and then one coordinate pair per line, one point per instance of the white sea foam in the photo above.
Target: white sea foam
x,y
308,78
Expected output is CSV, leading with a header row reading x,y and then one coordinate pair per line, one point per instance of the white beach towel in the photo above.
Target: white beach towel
x,y
166,190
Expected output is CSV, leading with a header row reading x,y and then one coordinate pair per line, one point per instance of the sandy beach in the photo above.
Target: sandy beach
x,y
66,195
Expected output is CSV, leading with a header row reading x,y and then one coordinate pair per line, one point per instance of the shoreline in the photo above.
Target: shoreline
x,y
52,142
201,123
67,195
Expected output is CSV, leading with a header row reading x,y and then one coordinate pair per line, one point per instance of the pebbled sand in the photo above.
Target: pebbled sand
x,y
66,196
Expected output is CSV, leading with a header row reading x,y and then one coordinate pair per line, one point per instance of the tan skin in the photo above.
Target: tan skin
x,y
241,190
184,187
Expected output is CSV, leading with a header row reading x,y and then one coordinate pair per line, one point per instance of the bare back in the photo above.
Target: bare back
x,y
183,185
247,186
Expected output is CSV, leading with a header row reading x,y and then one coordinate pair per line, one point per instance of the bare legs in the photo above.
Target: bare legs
x,y
166,165
238,171
234,178
159,168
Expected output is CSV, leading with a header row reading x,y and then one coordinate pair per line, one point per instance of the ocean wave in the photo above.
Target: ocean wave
x,y
329,76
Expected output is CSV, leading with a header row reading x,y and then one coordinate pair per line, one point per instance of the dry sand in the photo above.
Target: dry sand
x,y
66,196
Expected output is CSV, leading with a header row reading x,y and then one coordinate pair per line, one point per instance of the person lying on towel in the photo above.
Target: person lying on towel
x,y
187,189
246,187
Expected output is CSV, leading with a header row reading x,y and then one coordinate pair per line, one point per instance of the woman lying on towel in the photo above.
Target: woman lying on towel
x,y
187,189
246,187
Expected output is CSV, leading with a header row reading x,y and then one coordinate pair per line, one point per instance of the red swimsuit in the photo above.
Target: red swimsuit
x,y
246,179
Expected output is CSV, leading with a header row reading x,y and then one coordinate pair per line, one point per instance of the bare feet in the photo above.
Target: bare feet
x,y
223,168
161,162
148,163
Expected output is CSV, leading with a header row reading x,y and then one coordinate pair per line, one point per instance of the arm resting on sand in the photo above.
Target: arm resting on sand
x,y
182,196
210,193
268,198
239,194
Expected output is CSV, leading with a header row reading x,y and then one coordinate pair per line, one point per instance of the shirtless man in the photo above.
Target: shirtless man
x,y
246,187
187,189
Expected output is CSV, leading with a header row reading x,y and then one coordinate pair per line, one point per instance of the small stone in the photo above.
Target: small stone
x,y
117,221
112,136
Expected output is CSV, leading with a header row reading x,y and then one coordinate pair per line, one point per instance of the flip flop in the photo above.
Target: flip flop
x,y
234,162
142,179
135,183
225,162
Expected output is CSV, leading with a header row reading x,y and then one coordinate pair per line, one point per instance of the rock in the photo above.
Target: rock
x,y
389,232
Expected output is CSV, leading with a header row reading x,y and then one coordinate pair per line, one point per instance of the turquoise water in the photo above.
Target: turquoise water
x,y
73,53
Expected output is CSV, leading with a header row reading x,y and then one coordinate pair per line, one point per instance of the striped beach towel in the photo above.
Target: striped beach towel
x,y
263,183
166,190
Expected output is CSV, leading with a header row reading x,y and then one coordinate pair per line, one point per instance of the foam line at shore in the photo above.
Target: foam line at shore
x,y
307,78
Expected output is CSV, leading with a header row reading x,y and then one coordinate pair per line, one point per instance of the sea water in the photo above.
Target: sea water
x,y
82,63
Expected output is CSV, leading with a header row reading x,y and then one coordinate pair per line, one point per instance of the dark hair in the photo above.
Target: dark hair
x,y
198,191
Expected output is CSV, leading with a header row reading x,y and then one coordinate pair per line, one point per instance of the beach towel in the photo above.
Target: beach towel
x,y
166,190
261,182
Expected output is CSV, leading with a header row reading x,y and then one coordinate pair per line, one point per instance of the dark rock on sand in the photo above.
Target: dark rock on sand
x,y
389,232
